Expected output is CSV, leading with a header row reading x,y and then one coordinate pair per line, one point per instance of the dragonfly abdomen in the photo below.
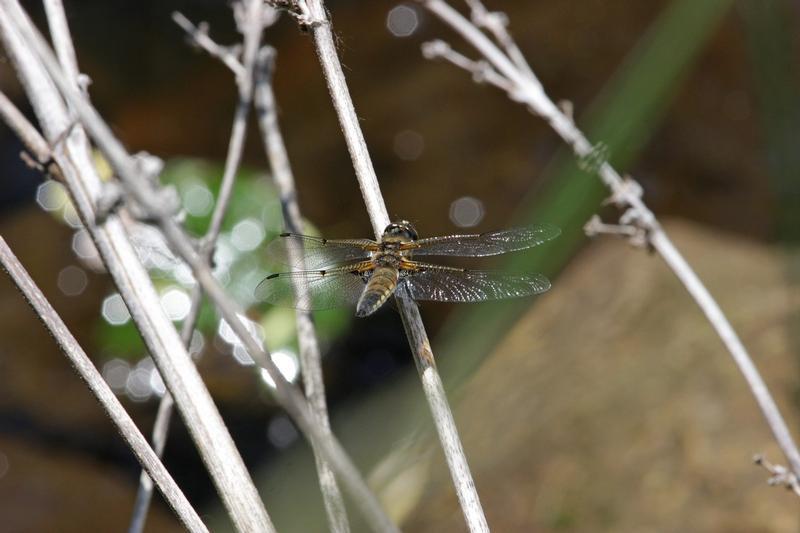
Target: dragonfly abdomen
x,y
380,286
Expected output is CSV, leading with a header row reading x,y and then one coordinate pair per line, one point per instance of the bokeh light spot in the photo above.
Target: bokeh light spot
x,y
466,212
408,145
71,216
51,196
239,352
83,246
156,383
287,364
247,235
402,21
281,432
115,311
138,385
175,303
197,199
72,280
115,372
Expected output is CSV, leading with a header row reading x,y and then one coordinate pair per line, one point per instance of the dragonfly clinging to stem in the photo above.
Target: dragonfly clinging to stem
x,y
341,272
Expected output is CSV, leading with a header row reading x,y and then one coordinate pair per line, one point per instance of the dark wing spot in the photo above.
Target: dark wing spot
x,y
284,234
322,272
272,276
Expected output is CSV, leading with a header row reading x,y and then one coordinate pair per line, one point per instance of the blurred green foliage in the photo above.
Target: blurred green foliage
x,y
239,262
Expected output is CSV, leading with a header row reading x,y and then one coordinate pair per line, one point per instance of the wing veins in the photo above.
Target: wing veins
x,y
484,244
312,253
311,290
447,284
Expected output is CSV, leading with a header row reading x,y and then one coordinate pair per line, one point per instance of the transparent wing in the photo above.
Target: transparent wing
x,y
306,252
483,244
443,284
311,290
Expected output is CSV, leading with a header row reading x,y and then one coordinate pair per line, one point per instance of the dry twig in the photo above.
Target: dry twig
x,y
779,475
72,155
310,357
311,14
522,86
310,360
105,396
251,26
139,186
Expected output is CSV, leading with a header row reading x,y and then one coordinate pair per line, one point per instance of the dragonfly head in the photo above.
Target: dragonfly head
x,y
402,230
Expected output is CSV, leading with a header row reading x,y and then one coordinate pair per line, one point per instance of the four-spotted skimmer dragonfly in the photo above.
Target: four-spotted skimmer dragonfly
x,y
366,273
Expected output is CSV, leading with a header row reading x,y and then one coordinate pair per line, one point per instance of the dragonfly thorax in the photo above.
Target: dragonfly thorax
x,y
389,258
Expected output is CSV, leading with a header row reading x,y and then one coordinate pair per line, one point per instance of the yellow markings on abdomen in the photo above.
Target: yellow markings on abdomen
x,y
379,287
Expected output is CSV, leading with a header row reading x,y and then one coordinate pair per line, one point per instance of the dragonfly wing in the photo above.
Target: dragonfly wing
x,y
306,252
443,284
311,290
483,244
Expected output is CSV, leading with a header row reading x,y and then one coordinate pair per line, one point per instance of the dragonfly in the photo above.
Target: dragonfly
x,y
366,273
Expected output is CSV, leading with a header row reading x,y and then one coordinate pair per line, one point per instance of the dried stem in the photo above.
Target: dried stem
x,y
310,360
139,187
24,130
251,27
312,14
198,35
310,357
72,155
83,365
779,475
442,415
526,89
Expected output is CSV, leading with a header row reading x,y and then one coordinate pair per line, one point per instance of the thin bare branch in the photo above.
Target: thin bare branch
x,y
251,28
481,71
161,425
24,130
87,371
780,476
62,41
72,155
140,187
442,414
312,14
198,35
496,23
310,357
527,90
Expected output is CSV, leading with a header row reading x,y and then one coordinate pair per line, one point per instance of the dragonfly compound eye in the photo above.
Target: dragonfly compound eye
x,y
403,229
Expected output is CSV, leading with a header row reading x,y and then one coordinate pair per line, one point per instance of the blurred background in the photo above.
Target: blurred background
x,y
606,404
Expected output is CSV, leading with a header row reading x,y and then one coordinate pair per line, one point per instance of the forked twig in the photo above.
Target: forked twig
x,y
780,476
87,371
311,14
198,35
526,89
140,187
77,168
310,357
250,25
